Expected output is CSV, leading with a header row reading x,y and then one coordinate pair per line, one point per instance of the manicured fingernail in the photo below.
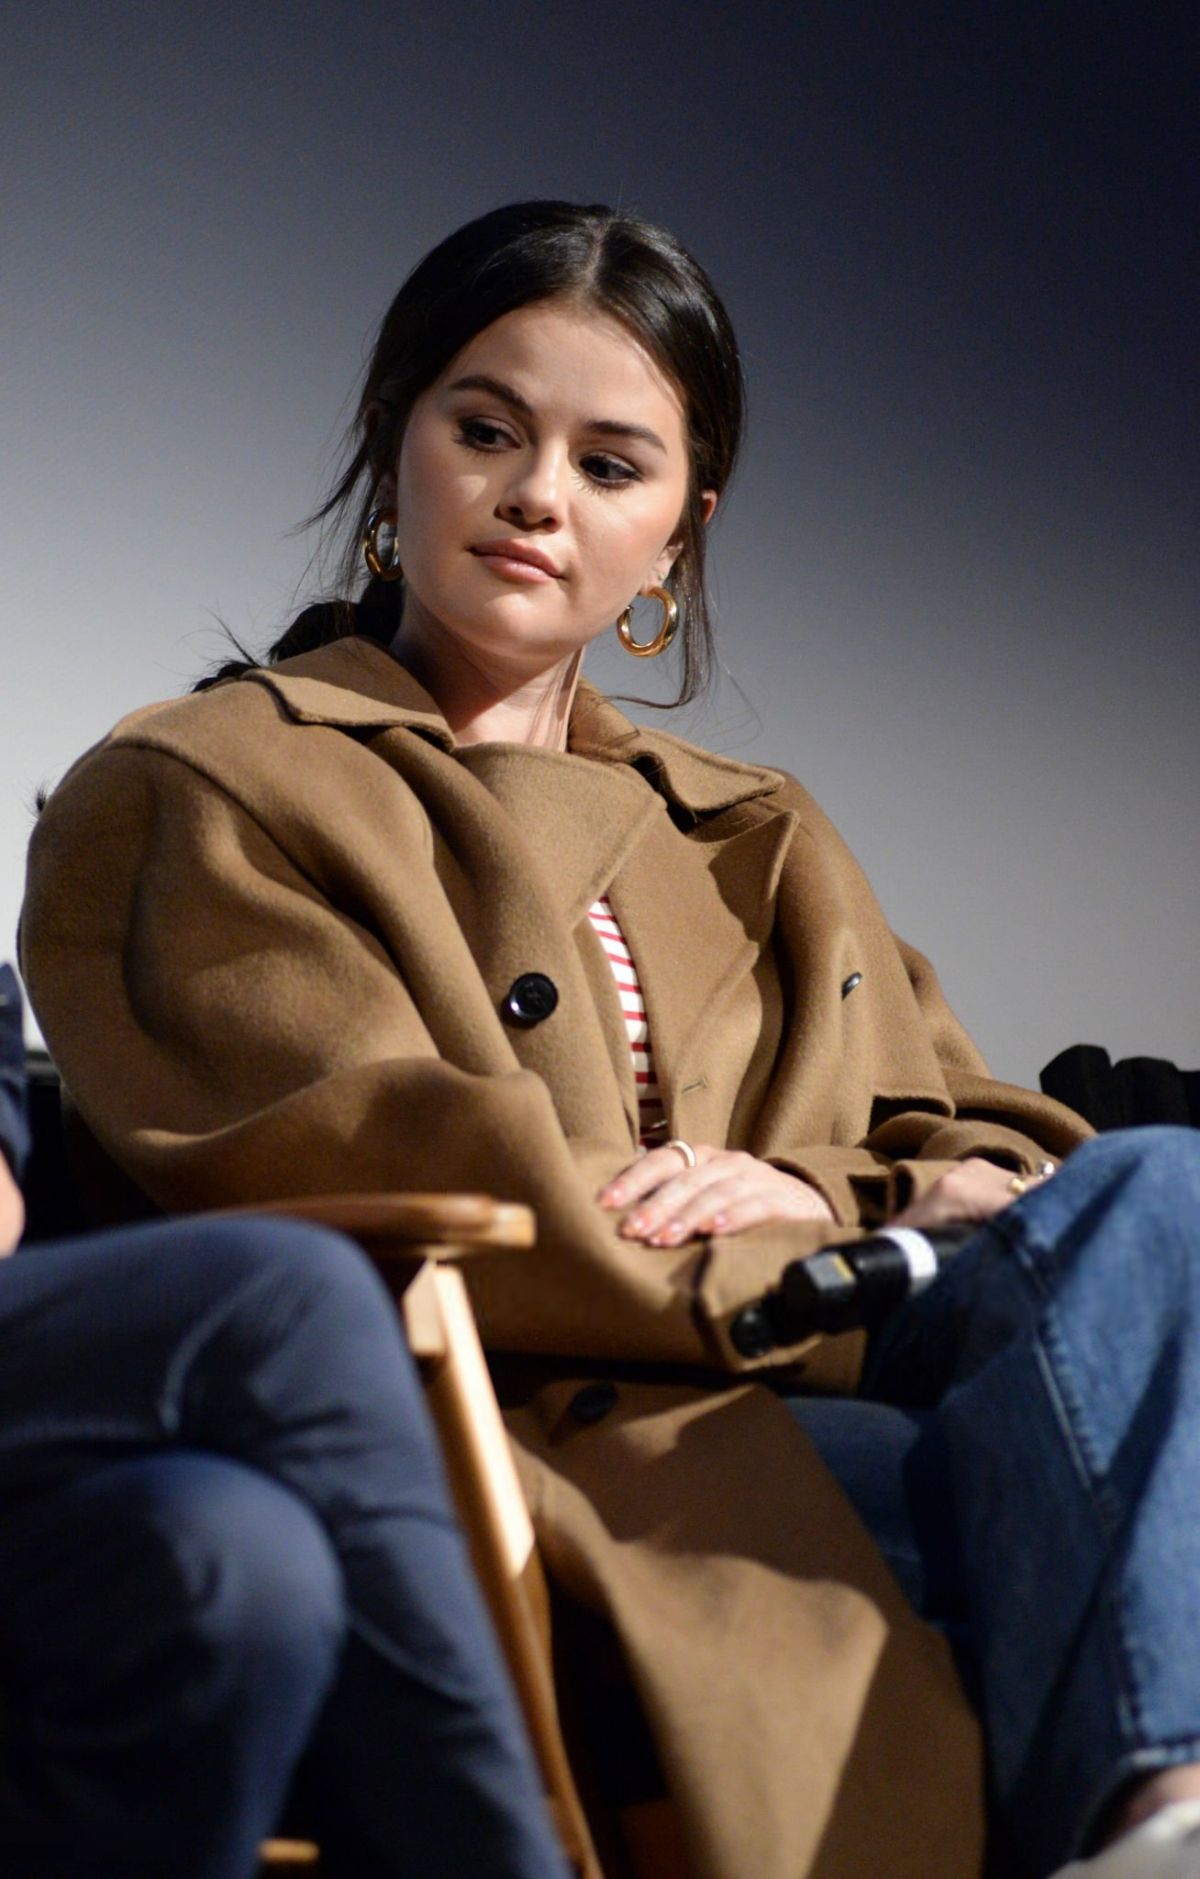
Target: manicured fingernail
x,y
718,1223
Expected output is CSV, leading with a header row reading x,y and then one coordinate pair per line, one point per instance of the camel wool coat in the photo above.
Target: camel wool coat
x,y
280,935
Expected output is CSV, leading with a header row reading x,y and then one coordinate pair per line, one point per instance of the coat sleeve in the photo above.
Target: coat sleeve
x,y
267,1043
902,1093
230,1034
906,1148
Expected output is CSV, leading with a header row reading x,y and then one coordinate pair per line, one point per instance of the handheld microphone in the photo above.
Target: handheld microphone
x,y
846,1288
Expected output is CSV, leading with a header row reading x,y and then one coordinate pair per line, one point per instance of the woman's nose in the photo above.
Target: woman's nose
x,y
534,494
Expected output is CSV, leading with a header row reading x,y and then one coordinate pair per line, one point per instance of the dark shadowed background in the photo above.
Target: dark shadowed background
x,y
957,577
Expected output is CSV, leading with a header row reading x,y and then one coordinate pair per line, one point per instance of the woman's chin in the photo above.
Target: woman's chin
x,y
505,638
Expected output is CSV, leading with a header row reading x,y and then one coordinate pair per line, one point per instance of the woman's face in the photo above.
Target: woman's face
x,y
539,488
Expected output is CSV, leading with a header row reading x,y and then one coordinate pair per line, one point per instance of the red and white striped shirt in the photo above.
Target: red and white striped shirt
x,y
633,1007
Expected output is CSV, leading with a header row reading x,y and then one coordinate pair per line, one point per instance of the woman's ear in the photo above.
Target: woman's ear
x,y
384,494
670,554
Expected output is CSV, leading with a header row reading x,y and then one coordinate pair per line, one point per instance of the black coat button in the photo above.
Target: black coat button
x,y
531,998
849,984
592,1403
750,1332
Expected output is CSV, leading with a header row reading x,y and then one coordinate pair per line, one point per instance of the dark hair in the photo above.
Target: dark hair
x,y
530,251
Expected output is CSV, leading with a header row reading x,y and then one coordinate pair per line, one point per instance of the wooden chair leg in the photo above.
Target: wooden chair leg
x,y
483,1478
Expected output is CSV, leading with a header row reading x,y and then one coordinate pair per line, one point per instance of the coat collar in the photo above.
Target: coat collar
x,y
693,779
354,684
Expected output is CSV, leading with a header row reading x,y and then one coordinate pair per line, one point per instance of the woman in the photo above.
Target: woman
x,y
226,1555
360,918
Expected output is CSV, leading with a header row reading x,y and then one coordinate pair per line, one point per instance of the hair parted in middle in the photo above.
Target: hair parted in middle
x,y
629,269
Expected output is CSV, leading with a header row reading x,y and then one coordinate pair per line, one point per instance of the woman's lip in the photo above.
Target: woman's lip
x,y
517,563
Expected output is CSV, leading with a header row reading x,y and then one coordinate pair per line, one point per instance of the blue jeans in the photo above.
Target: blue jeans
x,y
228,1564
1031,1465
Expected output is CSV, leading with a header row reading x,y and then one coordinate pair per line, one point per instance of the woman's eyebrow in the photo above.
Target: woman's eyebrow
x,y
480,381
605,427
613,427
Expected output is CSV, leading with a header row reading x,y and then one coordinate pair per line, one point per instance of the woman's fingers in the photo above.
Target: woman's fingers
x,y
674,1211
796,1201
726,1192
974,1190
647,1173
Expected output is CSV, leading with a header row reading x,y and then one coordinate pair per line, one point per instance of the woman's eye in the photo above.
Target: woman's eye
x,y
610,470
482,434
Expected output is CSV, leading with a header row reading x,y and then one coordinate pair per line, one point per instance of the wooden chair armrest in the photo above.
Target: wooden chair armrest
x,y
410,1220
284,1856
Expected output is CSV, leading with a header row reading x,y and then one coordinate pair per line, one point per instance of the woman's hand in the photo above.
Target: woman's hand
x,y
726,1192
12,1210
973,1190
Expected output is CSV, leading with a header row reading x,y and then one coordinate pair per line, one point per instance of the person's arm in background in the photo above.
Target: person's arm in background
x,y
14,1123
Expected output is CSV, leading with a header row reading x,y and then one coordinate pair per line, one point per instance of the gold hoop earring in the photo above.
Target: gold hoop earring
x,y
665,634
383,571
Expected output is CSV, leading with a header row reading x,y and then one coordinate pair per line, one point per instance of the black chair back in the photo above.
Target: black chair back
x,y
71,1185
1124,1095
52,1206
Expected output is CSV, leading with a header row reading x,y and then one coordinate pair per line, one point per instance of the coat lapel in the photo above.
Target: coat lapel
x,y
694,893
695,943
582,821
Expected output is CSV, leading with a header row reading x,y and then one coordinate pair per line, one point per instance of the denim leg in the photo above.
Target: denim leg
x,y
891,1464
277,1344
1066,1340
169,1627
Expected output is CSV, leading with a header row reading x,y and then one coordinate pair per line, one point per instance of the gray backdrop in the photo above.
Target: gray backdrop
x,y
957,577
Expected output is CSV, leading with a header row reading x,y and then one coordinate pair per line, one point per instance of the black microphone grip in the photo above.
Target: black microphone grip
x,y
853,1287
